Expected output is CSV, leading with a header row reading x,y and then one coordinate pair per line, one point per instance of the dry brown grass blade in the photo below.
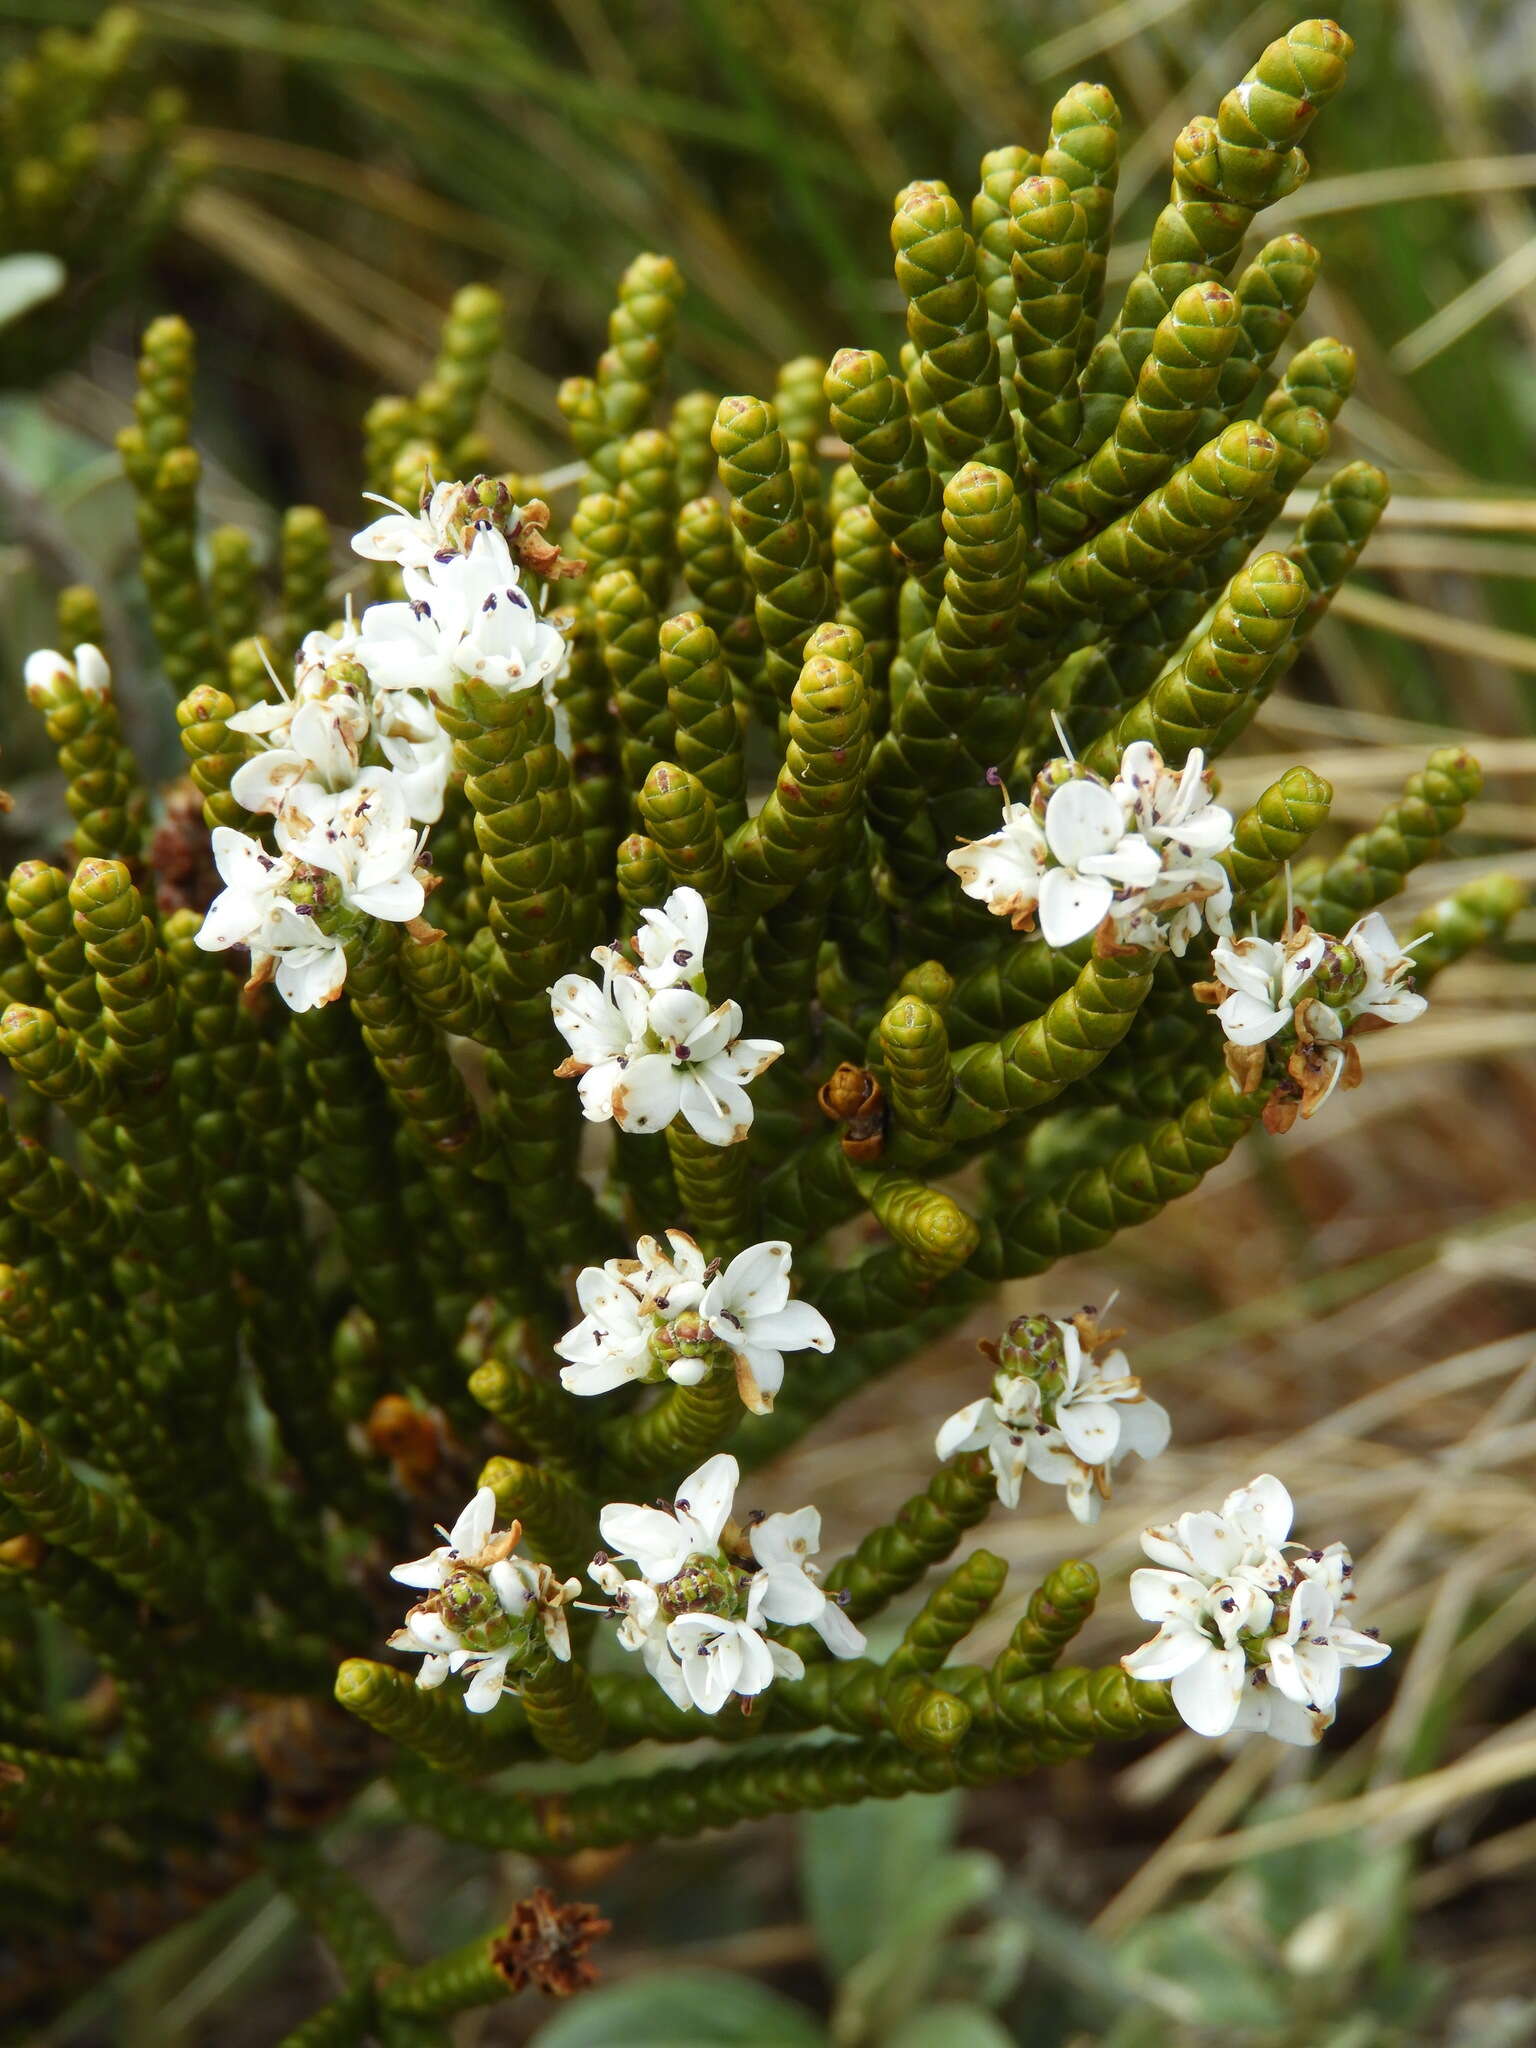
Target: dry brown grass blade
x,y
1469,637
367,314
1436,515
1398,1810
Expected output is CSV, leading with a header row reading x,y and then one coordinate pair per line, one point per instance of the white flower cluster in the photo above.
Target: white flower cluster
x,y
483,1607
1311,994
698,1611
353,761
705,1591
1251,1639
644,1041
1059,1411
1139,854
667,1314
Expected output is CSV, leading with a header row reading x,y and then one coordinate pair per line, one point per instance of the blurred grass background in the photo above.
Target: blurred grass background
x,y
1352,1308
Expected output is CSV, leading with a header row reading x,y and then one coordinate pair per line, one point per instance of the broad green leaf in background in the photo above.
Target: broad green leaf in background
x,y
683,2009
1225,1988
858,1868
950,2025
25,281
885,1984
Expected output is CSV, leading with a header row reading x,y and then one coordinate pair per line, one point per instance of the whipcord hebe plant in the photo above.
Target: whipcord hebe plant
x,y
493,1122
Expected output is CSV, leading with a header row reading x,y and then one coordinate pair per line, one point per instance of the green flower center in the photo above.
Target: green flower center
x,y
705,1585
469,1605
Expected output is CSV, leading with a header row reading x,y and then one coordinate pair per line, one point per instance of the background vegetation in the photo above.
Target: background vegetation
x,y
1351,1308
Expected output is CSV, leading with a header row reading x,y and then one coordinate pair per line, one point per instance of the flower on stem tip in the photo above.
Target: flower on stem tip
x,y
465,618
669,1315
266,905
1297,1003
1136,857
88,671
410,539
748,1309
353,852
1004,870
449,517
646,1049
1058,1411
354,755
483,1606
706,1590
670,942
364,838
334,718
1250,1638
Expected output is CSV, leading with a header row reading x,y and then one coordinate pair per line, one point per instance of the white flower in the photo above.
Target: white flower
x,y
1307,1662
605,1027
88,670
1267,990
636,1310
254,911
699,1069
670,941
483,1607
321,745
1197,1646
785,1589
1263,1710
1186,895
642,1626
696,1613
611,1345
1003,871
1100,1416
1385,964
647,1046
427,1636
317,734
523,1586
1140,852
1265,977
467,1538
748,1307
1174,813
625,1304
1097,853
1003,1426
409,539
670,1282
645,1058
466,619
1069,1427
661,1540
720,1656
416,748
363,837
1172,809
1247,1639
1333,1568
1243,1541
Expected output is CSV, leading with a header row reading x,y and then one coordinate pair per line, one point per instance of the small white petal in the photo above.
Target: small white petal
x,y
1207,1693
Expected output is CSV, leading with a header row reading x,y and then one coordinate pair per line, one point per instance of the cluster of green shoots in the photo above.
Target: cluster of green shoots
x,y
92,172
751,909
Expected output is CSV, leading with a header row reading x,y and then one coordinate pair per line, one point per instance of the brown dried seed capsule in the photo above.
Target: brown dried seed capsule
x,y
853,1097
846,1091
545,1942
